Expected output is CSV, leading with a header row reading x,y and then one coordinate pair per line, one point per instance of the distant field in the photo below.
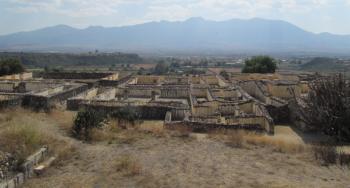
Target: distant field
x,y
145,66
218,70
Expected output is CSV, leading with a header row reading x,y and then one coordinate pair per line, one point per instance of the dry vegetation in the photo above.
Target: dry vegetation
x,y
153,157
21,135
248,139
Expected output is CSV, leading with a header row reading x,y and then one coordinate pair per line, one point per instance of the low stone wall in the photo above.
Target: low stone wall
x,y
114,82
21,76
38,102
78,75
27,169
147,112
205,127
10,101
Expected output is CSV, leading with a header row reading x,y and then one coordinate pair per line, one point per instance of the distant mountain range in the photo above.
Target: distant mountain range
x,y
192,35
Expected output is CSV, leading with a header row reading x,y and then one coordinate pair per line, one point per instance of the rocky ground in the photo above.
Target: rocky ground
x,y
162,159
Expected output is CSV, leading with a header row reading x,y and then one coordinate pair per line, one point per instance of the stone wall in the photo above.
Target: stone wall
x,y
7,87
255,89
283,91
27,169
174,92
9,101
149,80
205,127
107,83
75,102
80,75
146,112
21,76
38,102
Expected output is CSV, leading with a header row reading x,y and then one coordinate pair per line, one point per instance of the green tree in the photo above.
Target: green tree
x,y
11,66
260,64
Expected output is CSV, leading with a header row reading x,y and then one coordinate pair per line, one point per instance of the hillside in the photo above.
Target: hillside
x,y
192,35
326,64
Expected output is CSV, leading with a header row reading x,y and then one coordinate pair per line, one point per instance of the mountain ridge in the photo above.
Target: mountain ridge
x,y
194,34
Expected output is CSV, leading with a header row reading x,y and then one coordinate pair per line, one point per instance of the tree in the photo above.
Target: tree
x,y
10,66
85,121
327,106
161,68
260,64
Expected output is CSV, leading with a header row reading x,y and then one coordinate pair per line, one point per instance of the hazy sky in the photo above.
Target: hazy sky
x,y
313,15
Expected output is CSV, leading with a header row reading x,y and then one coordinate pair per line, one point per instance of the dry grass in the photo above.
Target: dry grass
x,y
329,155
114,133
22,139
63,118
23,132
127,165
279,144
240,138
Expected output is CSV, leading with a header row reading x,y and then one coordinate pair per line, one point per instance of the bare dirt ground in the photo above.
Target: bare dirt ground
x,y
171,160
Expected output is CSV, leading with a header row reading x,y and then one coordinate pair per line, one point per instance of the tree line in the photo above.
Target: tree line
x,y
62,59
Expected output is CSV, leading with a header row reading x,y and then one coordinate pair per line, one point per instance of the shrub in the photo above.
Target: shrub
x,y
10,66
126,114
327,107
260,64
85,121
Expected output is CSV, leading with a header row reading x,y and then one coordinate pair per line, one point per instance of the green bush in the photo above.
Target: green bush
x,y
260,64
85,121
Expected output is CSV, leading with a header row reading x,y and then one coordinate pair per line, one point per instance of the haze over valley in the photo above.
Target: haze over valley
x,y
194,35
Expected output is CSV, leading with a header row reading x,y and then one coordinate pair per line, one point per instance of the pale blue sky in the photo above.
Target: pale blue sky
x,y
312,15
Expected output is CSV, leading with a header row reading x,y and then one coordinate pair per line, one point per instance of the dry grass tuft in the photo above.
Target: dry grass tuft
x,y
113,133
127,165
235,139
182,132
328,155
278,144
241,138
64,118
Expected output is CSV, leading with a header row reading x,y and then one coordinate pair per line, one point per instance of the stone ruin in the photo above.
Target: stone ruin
x,y
7,165
198,102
